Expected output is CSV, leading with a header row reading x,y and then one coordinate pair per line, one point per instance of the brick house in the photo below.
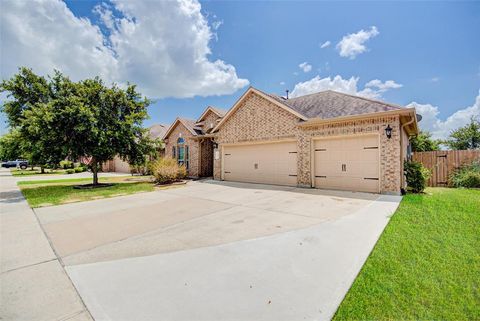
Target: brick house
x,y
325,140
191,143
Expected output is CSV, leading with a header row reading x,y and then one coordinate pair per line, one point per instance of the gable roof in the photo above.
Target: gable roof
x,y
332,104
157,131
189,124
219,112
263,95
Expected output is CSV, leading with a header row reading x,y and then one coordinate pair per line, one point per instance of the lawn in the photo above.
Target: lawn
x,y
56,192
426,265
36,171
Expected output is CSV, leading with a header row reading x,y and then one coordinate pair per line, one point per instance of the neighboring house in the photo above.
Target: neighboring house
x,y
325,140
119,165
190,142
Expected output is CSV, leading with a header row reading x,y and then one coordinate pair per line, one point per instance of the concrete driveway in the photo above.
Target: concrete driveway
x,y
217,251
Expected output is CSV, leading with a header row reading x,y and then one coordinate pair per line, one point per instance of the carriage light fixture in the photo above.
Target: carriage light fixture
x,y
388,131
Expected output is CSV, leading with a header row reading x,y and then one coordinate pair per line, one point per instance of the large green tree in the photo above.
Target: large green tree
x,y
10,146
84,119
423,142
466,137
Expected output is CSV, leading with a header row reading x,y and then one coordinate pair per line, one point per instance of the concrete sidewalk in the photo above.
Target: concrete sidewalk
x,y
33,282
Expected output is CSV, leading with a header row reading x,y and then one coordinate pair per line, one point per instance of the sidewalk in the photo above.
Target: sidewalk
x,y
33,282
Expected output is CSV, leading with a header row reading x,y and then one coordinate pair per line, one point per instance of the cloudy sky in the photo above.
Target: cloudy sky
x,y
188,54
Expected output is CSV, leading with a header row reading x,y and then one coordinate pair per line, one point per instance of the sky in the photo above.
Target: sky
x,y
186,55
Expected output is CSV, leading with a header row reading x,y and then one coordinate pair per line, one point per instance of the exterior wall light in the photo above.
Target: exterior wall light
x,y
388,131
215,145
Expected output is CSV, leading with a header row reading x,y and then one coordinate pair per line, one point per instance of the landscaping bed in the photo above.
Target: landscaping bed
x,y
426,265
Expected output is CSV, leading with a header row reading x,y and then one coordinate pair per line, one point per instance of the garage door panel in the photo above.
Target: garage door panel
x,y
273,163
348,163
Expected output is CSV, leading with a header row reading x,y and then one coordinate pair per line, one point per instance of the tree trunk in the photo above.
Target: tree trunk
x,y
42,170
95,173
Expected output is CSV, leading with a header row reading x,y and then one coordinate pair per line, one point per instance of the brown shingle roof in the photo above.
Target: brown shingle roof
x,y
157,131
332,104
219,111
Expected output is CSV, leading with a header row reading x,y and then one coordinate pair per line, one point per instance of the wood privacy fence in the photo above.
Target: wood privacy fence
x,y
443,163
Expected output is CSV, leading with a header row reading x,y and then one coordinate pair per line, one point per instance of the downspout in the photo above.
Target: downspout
x,y
401,148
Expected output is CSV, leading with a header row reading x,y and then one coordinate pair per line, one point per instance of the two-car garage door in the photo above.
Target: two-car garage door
x,y
348,163
269,163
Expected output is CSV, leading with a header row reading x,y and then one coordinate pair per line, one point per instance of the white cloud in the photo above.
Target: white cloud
x,y
373,89
305,66
441,129
353,44
282,83
325,44
162,46
435,79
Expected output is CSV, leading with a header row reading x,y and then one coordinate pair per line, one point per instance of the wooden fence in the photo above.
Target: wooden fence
x,y
442,163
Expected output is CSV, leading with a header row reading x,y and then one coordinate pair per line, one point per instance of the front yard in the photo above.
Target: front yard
x,y
36,171
426,265
61,191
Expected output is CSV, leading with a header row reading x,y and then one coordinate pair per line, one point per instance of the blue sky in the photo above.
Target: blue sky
x,y
429,51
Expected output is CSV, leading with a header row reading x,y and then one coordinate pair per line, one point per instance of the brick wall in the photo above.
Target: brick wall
x,y
192,144
258,119
210,118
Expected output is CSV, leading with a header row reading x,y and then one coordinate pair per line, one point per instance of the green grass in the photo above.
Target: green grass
x,y
56,192
36,171
426,265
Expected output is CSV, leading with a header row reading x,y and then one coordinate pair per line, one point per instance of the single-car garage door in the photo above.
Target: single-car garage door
x,y
350,163
270,163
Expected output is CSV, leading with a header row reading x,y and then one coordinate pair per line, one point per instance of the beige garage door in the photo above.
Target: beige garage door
x,y
273,163
121,166
350,163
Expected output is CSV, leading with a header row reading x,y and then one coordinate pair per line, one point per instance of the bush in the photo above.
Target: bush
x,y
79,169
466,176
166,170
143,169
70,171
65,164
417,176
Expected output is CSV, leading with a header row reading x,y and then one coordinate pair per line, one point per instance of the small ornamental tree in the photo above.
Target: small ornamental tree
x,y
77,119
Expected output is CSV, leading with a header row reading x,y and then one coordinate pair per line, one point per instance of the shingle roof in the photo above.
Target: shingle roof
x,y
219,111
157,131
190,124
332,104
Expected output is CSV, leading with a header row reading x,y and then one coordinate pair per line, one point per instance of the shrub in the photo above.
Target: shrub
x,y
417,176
65,164
79,169
166,170
70,171
466,176
142,169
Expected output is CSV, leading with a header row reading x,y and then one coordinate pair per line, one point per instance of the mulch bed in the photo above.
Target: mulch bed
x,y
91,186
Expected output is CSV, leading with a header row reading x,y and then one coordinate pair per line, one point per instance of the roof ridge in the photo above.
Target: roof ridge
x,y
353,96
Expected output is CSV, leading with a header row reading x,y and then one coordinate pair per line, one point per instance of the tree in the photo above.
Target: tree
x,y
78,119
423,142
10,146
466,137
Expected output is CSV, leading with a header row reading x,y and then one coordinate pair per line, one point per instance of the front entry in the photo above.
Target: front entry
x,y
347,163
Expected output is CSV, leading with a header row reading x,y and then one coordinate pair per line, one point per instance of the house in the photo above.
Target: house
x,y
117,164
327,140
191,142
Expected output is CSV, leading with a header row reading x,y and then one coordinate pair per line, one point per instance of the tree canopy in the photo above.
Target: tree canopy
x,y
466,137
423,142
59,118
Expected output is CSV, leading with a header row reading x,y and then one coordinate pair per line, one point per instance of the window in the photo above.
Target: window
x,y
174,154
182,153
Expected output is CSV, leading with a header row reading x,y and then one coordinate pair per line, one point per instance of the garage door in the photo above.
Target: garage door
x,y
350,163
273,163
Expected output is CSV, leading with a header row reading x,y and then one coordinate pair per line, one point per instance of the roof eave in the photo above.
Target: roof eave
x,y
317,121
